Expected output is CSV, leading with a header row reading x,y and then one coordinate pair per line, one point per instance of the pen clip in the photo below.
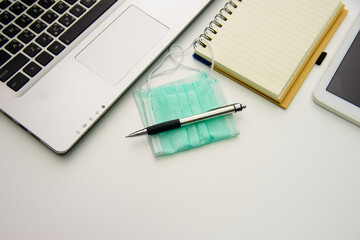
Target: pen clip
x,y
237,107
219,107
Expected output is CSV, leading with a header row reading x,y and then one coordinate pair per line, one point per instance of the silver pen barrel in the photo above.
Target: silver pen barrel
x,y
213,113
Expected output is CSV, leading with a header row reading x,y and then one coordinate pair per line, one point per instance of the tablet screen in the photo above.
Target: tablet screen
x,y
346,81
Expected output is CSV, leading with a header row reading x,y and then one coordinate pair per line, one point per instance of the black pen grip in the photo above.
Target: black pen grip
x,y
162,127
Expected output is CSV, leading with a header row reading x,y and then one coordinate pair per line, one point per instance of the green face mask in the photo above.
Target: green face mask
x,y
183,98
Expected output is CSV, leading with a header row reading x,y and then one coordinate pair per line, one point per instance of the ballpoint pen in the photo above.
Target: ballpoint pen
x,y
177,123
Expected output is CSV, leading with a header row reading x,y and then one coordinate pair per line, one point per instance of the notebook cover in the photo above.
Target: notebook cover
x,y
304,70
310,62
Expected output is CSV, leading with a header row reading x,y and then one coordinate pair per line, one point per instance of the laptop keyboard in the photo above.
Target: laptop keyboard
x,y
35,32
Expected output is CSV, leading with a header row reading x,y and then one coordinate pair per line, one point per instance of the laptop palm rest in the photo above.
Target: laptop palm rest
x,y
114,52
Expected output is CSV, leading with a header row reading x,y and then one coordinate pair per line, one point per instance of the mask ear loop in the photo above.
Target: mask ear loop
x,y
174,52
148,79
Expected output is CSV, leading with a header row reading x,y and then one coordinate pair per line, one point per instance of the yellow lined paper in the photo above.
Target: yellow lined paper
x,y
265,43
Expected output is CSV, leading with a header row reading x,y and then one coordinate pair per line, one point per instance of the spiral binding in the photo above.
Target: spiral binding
x,y
211,28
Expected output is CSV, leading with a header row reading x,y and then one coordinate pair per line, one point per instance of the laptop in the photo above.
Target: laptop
x,y
64,63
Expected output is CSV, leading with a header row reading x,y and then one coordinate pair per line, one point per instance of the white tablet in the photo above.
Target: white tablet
x,y
339,89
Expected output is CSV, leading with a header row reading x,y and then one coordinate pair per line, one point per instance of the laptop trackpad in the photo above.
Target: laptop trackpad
x,y
122,44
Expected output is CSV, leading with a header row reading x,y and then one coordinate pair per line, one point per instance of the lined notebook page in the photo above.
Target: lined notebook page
x,y
265,43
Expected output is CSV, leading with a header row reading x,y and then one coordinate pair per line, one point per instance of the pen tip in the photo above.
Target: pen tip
x,y
137,133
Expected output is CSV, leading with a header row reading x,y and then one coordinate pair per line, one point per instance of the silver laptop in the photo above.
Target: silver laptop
x,y
64,63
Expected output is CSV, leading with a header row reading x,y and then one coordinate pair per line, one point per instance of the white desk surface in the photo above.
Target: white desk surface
x,y
291,174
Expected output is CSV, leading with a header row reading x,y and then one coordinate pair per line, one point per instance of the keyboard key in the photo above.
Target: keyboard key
x,y
6,17
56,48
28,2
3,40
32,50
26,36
32,69
49,16
23,21
77,10
10,68
17,8
4,56
38,26
4,4
66,20
80,26
11,31
44,58
71,1
14,46
44,39
46,3
17,82
55,29
88,3
60,7
35,11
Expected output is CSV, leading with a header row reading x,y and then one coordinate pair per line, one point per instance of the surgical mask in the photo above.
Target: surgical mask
x,y
182,98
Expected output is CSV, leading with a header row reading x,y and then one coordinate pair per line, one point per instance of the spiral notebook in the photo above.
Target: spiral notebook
x,y
270,46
